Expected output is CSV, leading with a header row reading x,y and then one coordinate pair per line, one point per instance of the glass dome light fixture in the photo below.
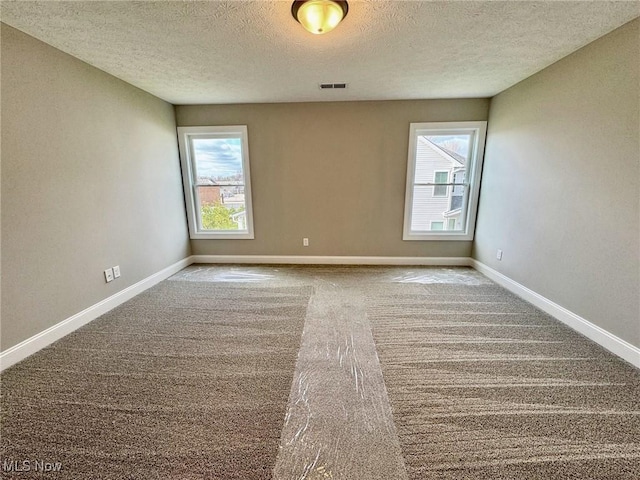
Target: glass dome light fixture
x,y
319,16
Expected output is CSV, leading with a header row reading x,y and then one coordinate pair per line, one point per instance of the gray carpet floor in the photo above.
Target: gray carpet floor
x,y
187,380
485,386
257,372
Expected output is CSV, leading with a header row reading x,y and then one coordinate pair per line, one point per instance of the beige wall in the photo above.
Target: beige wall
x,y
561,184
334,172
90,179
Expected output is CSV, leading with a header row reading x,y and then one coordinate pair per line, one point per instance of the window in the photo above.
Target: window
x,y
443,180
217,186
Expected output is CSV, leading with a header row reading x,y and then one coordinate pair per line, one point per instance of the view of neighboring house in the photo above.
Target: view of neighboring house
x,y
437,204
228,193
208,191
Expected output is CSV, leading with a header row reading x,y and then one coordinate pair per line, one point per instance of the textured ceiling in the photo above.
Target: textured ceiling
x,y
254,51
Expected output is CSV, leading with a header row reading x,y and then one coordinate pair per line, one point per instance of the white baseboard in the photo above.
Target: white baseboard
x,y
332,260
605,339
616,345
31,345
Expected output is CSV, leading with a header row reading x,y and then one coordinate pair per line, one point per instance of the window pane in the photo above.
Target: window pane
x,y
437,226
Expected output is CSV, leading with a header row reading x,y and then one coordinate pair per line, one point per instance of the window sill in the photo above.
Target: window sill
x,y
222,236
461,237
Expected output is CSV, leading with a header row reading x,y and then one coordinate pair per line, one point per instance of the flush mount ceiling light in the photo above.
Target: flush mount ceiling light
x,y
319,16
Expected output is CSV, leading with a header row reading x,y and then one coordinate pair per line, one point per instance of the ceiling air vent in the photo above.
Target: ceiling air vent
x,y
325,86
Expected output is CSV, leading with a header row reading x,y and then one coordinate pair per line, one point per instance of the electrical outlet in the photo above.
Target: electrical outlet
x,y
116,271
499,254
305,242
108,275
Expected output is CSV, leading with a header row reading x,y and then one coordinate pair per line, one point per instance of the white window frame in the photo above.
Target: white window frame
x,y
185,134
478,130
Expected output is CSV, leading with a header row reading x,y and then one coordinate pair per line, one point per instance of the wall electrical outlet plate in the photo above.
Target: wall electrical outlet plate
x,y
108,275
305,242
116,271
